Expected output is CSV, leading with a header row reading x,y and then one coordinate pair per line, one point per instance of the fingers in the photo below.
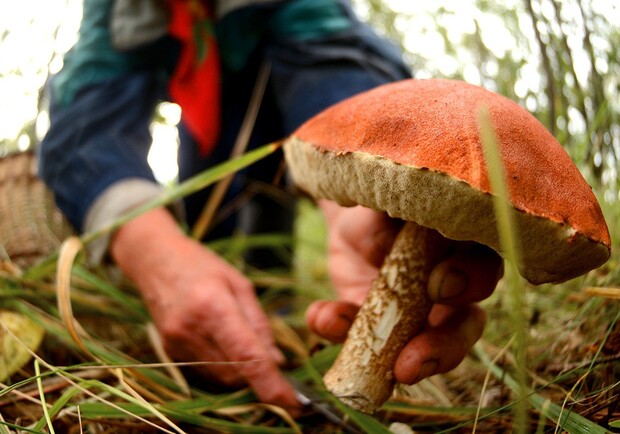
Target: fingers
x,y
468,275
239,343
351,276
203,321
360,238
452,331
246,302
331,319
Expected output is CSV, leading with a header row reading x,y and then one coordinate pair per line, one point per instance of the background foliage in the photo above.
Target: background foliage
x,y
560,59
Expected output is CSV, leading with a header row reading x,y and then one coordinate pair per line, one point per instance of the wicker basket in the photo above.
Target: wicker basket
x,y
31,226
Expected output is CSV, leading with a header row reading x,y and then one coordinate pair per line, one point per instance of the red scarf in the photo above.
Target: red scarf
x,y
195,84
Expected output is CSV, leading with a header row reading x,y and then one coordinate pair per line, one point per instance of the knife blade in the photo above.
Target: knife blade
x,y
308,396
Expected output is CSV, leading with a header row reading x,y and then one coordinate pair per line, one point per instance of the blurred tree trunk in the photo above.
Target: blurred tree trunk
x,y
547,71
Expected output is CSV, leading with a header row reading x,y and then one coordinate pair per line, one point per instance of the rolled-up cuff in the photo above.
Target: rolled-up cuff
x,y
115,201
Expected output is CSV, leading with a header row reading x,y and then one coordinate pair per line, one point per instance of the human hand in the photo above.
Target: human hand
x,y
204,309
359,240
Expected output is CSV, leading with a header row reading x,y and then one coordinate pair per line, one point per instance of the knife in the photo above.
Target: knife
x,y
308,396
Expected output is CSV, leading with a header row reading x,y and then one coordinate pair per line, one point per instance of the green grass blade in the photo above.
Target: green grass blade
x,y
134,305
367,423
320,363
235,246
511,251
192,185
46,416
183,411
407,408
101,410
150,409
610,329
20,429
59,404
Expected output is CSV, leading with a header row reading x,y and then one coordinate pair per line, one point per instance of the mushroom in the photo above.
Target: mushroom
x,y
413,150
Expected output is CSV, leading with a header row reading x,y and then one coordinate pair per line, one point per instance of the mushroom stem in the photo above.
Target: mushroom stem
x,y
395,310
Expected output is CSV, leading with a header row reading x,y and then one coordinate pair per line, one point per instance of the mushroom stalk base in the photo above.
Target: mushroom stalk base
x,y
395,310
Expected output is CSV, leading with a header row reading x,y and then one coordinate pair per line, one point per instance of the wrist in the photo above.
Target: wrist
x,y
145,240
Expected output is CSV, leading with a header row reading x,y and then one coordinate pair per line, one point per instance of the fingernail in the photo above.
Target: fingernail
x,y
428,368
453,284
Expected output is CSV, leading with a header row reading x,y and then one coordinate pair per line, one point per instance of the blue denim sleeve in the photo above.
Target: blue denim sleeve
x,y
100,138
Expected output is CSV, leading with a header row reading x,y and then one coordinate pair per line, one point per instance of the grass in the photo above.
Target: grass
x,y
564,380
511,248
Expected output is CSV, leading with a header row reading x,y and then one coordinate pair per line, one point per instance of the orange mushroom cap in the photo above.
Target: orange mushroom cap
x,y
413,149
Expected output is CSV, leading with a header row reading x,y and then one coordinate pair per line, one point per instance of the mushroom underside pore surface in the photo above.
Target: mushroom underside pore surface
x,y
552,251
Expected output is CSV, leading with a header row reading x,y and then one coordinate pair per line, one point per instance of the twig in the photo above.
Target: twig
x,y
243,138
